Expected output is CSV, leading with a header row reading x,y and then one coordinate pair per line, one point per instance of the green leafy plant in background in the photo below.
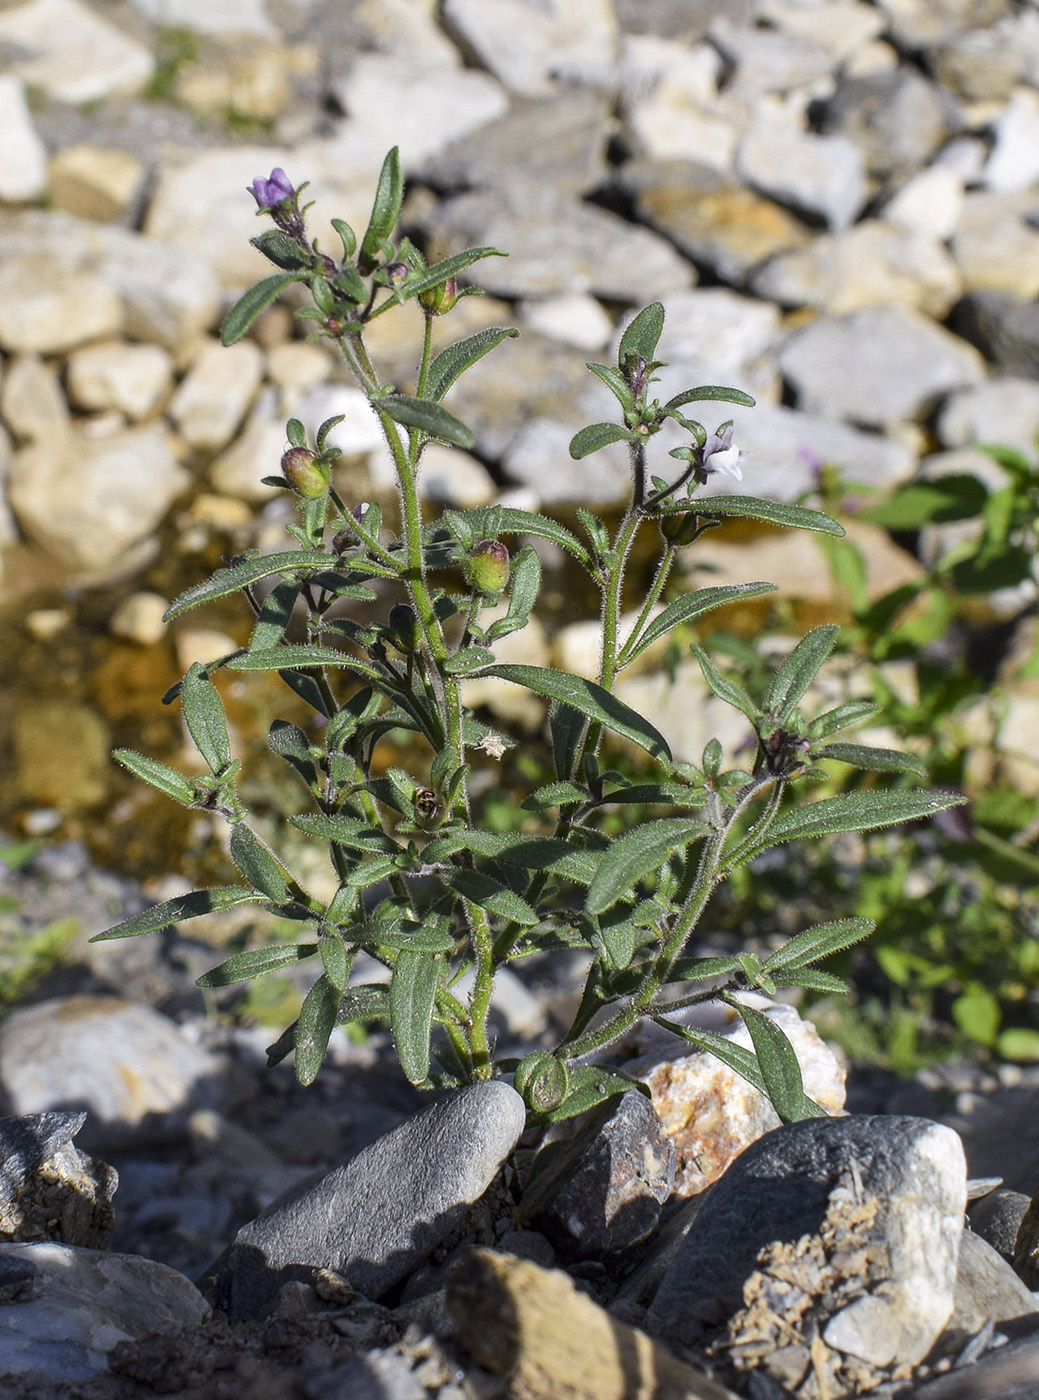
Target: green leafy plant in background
x,y
424,888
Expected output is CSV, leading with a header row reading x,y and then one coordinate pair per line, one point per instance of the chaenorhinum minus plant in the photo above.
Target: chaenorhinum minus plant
x,y
440,901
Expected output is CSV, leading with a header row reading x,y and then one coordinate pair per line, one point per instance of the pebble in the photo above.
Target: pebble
x,y
1004,411
380,1215
225,17
23,156
530,47
135,379
887,1191
214,395
139,618
31,400
94,183
987,1287
575,318
73,767
817,175
255,452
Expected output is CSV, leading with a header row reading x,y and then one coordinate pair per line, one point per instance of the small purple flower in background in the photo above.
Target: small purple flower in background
x,y
720,454
273,190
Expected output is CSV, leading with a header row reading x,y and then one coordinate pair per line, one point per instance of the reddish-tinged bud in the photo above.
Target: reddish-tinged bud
x,y
307,476
440,300
487,568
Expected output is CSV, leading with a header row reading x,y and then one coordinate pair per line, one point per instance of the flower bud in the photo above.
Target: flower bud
x,y
405,632
307,476
440,299
679,529
487,568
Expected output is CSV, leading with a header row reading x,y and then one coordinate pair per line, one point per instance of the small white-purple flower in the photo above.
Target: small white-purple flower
x,y
720,454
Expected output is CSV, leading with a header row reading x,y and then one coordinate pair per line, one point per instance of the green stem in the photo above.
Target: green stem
x,y
480,1001
656,588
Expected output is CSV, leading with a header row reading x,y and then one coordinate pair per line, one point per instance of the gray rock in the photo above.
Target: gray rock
x,y
688,21
127,1065
559,141
861,1215
48,1189
896,119
1003,410
71,53
1005,330
768,60
925,24
539,459
981,65
212,398
530,46
1008,1373
380,1375
231,17
715,336
603,1190
996,243
877,366
817,175
556,245
379,1216
72,1307
987,1288
1026,1245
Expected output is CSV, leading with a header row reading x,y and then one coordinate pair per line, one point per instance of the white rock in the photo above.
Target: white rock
x,y
930,203
79,1304
72,54
255,453
671,102
357,434
214,395
23,156
995,246
452,478
818,174
1014,162
1004,411
89,503
573,317
43,316
716,336
131,378
295,366
31,400
210,16
93,183
201,644
408,29
139,618
418,108
530,44
768,60
839,28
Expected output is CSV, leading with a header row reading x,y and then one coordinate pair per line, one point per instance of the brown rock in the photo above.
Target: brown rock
x,y
532,1326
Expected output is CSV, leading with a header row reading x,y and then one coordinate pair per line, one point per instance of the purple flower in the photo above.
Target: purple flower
x,y
273,190
720,454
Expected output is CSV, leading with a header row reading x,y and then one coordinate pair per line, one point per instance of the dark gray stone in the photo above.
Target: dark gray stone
x,y
896,118
603,1191
986,1288
862,1217
997,1218
1004,328
377,1217
1006,1373
49,1190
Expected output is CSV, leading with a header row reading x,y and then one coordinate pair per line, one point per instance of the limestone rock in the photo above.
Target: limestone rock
x,y
711,218
556,245
134,379
572,317
533,1326
377,1217
126,1064
89,503
214,395
996,246
895,119
986,1288
672,106
710,1113
23,156
41,316
92,183
846,1230
880,365
873,264
358,433
769,60
1005,330
1004,410
418,108
255,453
71,53
929,203
74,1306
296,366
1013,164
139,618
530,46
819,175
224,17
31,400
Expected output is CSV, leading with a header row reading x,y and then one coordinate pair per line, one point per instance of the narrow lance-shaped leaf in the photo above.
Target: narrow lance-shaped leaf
x,y
249,571
480,888
389,195
819,942
799,670
772,512
589,1085
282,249
641,338
591,700
876,760
290,743
456,359
728,690
175,911
347,831
167,780
596,436
636,854
441,272
413,992
683,610
257,962
713,393
317,1017
204,716
274,616
779,1066
427,417
512,521
257,863
856,811
842,717
252,304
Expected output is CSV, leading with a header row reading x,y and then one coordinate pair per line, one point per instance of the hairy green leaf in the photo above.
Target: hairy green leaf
x,y
290,743
274,616
819,942
167,780
441,272
857,811
772,512
642,336
175,911
389,194
252,304
547,853
597,436
282,250
685,609
350,832
589,1086
368,1001
456,359
636,854
243,967
317,1017
427,417
798,671
249,571
480,888
467,660
513,521
412,997
728,690
524,586
779,1066
562,794
713,393
853,712
877,760
591,700
257,863
204,716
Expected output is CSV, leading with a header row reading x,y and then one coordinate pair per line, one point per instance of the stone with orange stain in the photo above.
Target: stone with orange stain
x,y
710,1113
